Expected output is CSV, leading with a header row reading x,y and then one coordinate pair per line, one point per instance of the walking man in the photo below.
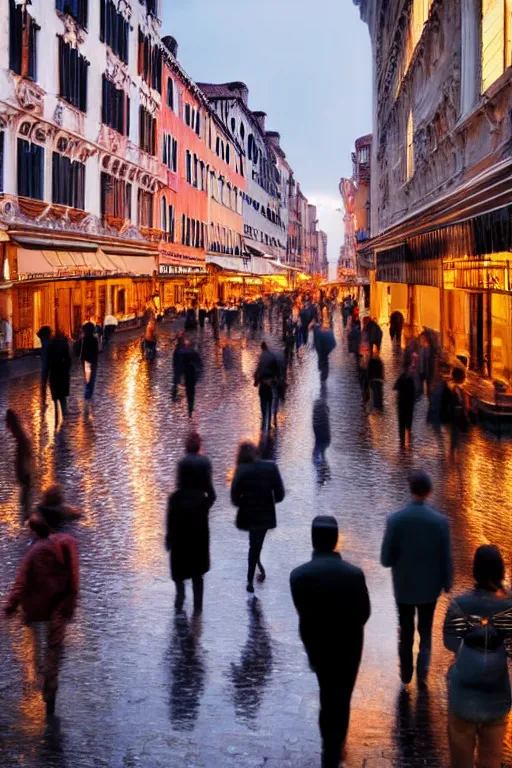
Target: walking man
x,y
417,548
332,601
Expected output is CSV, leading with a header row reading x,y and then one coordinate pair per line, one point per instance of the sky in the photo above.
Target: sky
x,y
306,64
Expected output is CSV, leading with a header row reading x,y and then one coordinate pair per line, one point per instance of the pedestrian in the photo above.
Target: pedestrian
x,y
59,367
188,534
476,625
374,332
376,380
405,387
192,367
396,326
321,428
203,312
89,357
54,511
354,338
150,339
44,335
23,463
191,319
266,377
256,488
417,547
46,588
333,604
324,345
177,364
458,412
214,321
110,324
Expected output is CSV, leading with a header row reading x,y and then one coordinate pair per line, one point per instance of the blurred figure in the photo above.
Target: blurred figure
x,y
256,488
23,463
396,326
44,334
374,332
203,313
405,387
458,412
332,601
150,340
214,321
89,357
110,324
190,319
321,428
354,338
59,368
177,364
479,700
324,345
192,367
417,547
46,588
252,674
54,511
266,377
376,380
188,534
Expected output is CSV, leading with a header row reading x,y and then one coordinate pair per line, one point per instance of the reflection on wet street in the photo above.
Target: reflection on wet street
x,y
140,686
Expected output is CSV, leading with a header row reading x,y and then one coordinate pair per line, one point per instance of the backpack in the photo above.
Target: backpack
x,y
481,660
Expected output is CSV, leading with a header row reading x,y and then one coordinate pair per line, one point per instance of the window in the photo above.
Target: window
x,y
170,223
170,94
201,177
73,70
188,115
363,156
227,154
75,8
196,163
152,6
250,146
30,170
116,197
147,131
163,210
115,107
145,209
114,29
496,40
68,182
150,62
188,166
410,148
198,122
22,41
242,131
170,152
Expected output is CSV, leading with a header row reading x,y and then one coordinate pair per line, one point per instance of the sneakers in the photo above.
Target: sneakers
x,y
250,587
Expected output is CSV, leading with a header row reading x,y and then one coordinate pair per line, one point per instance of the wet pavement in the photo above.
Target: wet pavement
x,y
141,687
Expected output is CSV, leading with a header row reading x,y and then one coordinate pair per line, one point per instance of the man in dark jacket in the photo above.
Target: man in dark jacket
x,y
417,547
177,364
266,377
332,601
192,368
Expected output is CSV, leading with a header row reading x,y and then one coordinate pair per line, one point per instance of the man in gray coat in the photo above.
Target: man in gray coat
x,y
417,548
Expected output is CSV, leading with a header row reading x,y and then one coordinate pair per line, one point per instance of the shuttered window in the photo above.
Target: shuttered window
x,y
75,8
145,208
170,152
170,94
147,131
68,182
22,41
188,166
73,71
150,62
116,197
496,39
115,107
114,29
30,170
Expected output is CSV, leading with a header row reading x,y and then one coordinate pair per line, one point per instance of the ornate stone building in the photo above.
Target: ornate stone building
x,y
441,215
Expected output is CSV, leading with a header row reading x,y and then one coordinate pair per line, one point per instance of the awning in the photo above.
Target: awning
x,y
36,264
141,266
256,265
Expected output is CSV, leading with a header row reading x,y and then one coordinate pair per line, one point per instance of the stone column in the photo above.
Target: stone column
x,y
470,54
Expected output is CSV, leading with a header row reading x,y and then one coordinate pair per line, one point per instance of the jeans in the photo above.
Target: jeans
x,y
486,738
90,381
198,589
406,615
55,630
256,539
335,695
190,388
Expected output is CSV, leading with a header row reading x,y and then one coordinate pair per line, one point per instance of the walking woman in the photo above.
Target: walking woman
x,y
59,366
89,358
256,488
479,699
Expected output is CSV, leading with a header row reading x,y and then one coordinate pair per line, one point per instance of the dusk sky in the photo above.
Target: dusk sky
x,y
306,64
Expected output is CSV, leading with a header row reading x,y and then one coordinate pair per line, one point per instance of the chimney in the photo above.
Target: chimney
x,y
260,119
171,44
239,91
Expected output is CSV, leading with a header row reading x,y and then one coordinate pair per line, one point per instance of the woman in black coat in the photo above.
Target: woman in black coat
x,y
188,534
256,488
59,367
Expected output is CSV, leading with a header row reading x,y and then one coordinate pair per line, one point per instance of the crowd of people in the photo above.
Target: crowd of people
x,y
330,595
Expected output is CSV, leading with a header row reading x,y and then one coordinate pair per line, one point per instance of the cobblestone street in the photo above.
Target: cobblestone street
x,y
140,687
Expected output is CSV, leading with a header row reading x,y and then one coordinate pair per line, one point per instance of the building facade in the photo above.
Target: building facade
x,y
355,193
441,216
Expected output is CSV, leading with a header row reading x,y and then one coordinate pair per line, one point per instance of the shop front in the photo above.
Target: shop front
x,y
182,284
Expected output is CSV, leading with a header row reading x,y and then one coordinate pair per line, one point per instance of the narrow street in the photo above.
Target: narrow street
x,y
140,687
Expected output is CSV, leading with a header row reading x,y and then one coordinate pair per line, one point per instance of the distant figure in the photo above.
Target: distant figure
x,y
459,421
188,535
203,313
23,463
53,509
214,321
150,339
332,601
45,335
324,345
266,376
396,326
177,364
46,588
110,324
192,367
321,428
374,332
417,548
405,387
476,625
190,319
256,488
89,357
376,380
59,367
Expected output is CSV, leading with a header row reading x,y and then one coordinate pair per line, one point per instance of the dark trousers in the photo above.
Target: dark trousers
x,y
190,388
406,616
256,539
323,367
89,385
336,688
198,590
376,386
405,416
266,400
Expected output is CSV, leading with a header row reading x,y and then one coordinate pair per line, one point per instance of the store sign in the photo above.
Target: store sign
x,y
181,269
